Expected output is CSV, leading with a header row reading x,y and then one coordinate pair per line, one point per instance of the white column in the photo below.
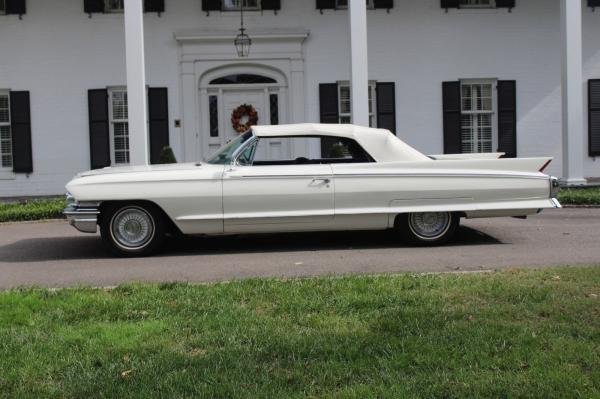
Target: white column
x,y
359,62
136,82
572,92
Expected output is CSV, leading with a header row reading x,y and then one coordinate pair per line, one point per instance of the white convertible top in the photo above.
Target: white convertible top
x,y
381,144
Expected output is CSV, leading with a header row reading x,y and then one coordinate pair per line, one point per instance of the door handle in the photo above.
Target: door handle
x,y
322,179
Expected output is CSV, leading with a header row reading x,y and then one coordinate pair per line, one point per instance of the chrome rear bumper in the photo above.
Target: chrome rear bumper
x,y
83,216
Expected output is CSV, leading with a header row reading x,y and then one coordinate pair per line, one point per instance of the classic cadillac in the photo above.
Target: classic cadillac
x,y
306,177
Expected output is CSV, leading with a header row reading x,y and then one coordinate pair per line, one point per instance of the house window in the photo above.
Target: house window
x,y
342,4
114,6
345,103
477,116
5,134
477,3
235,5
2,7
119,126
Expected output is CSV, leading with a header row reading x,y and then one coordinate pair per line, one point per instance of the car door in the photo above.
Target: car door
x,y
277,198
277,192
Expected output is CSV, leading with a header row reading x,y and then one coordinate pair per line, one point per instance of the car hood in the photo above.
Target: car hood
x,y
142,168
111,183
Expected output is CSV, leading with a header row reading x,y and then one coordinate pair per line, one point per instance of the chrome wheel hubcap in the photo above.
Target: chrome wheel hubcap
x,y
132,228
429,225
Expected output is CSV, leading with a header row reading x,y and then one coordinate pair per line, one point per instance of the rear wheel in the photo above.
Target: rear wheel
x,y
428,228
132,229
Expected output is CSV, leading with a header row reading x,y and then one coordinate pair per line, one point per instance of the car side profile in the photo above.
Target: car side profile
x,y
306,177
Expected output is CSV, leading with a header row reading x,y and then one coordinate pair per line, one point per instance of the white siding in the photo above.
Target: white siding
x,y
58,53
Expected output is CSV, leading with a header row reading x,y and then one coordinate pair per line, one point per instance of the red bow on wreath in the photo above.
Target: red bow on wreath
x,y
237,115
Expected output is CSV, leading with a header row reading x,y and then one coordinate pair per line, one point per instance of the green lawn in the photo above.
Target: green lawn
x,y
32,210
509,334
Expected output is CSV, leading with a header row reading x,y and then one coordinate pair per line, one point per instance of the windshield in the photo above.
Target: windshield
x,y
225,154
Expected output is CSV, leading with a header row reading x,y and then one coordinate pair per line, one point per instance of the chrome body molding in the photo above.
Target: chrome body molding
x,y
83,216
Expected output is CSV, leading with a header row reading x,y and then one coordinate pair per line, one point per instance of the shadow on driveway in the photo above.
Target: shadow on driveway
x,y
90,247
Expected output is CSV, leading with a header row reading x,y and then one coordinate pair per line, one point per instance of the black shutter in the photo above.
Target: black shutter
x,y
154,6
99,129
325,4
328,102
505,3
328,108
16,7
594,117
450,3
507,118
271,5
451,107
386,106
20,118
383,4
211,5
593,3
93,6
158,116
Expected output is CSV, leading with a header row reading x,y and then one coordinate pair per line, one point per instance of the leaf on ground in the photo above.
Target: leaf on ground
x,y
126,374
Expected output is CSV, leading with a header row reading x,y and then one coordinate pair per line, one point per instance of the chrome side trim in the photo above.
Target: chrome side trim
x,y
434,174
83,216
383,175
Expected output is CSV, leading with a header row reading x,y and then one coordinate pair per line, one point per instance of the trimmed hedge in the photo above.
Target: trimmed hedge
x,y
580,196
32,210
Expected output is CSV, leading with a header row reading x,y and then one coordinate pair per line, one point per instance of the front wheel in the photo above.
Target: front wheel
x,y
428,228
132,229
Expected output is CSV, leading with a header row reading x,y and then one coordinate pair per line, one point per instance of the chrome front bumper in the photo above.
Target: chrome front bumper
x,y
83,216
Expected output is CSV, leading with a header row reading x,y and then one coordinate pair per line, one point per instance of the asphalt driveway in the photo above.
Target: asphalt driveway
x,y
52,254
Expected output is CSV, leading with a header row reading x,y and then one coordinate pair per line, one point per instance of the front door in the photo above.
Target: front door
x,y
222,102
226,102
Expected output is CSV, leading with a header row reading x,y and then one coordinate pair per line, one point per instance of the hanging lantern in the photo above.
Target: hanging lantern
x,y
242,41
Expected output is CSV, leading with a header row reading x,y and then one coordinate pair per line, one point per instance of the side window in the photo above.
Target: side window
x,y
303,150
342,149
246,157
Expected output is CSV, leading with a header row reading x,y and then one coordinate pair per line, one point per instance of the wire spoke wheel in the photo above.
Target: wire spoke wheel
x,y
430,225
427,228
132,228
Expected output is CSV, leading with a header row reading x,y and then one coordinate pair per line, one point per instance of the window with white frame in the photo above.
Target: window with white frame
x,y
344,4
119,126
345,103
235,5
478,110
114,6
477,3
6,159
2,7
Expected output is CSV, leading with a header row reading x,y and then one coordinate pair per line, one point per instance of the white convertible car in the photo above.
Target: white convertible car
x,y
306,177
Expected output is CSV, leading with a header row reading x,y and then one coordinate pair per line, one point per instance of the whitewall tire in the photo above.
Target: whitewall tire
x,y
132,229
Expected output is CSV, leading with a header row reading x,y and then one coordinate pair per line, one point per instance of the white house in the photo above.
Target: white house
x,y
518,76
